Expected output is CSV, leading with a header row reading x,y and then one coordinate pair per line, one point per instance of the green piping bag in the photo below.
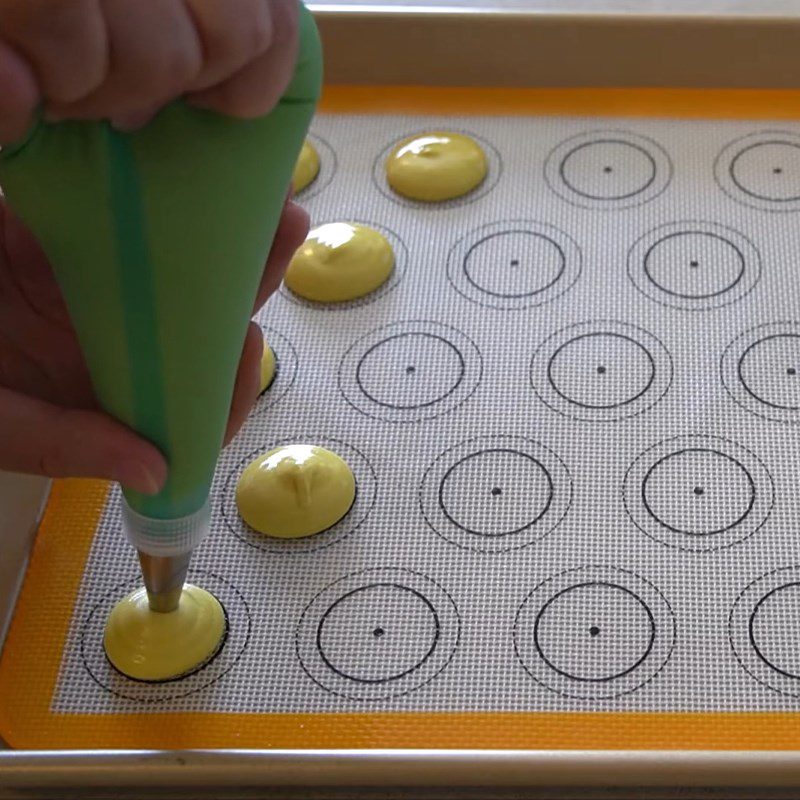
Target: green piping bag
x,y
158,239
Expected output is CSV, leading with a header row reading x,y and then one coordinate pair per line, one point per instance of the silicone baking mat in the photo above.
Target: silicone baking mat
x,y
572,417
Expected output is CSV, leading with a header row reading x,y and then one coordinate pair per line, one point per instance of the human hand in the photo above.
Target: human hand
x,y
124,59
50,421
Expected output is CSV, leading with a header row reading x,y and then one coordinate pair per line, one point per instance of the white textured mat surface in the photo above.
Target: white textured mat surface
x,y
572,415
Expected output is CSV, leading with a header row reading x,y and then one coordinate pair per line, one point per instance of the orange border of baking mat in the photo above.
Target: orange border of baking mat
x,y
73,512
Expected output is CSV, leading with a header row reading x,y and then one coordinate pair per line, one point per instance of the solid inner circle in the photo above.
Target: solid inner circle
x,y
726,492
524,499
775,629
627,370
437,365
627,625
665,264
754,167
538,263
378,633
763,371
608,169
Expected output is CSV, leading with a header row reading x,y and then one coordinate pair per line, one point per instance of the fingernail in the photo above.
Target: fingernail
x,y
135,475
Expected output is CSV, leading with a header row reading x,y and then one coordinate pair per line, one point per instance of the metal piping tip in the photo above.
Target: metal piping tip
x,y
164,577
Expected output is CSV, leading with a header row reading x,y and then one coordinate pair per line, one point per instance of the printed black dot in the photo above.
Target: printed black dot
x,y
601,370
594,630
698,490
608,169
791,371
497,491
694,263
410,369
777,170
378,632
514,262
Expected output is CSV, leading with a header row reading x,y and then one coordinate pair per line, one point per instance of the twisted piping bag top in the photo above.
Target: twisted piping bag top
x,y
158,239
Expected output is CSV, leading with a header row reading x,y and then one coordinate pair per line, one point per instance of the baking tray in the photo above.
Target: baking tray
x,y
44,774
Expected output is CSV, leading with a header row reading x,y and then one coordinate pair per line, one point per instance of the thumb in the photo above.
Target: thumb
x,y
43,439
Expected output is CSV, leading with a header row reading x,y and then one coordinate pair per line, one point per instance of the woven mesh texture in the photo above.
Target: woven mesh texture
x,y
572,416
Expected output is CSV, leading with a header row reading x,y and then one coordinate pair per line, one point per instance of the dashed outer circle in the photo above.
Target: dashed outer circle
x,y
400,265
494,170
237,637
594,633
698,493
601,371
377,634
514,264
286,364
366,493
608,169
694,265
764,630
410,371
328,165
762,170
761,371
495,493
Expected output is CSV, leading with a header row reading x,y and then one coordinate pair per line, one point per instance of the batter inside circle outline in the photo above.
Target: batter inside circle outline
x,y
418,595
731,171
200,669
461,371
608,141
466,458
743,265
744,383
732,525
555,280
589,336
608,585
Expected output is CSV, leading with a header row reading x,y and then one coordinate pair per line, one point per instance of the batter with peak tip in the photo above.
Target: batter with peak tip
x,y
148,645
340,261
436,166
294,491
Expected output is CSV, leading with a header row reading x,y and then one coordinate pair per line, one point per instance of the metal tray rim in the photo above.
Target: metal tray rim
x,y
399,768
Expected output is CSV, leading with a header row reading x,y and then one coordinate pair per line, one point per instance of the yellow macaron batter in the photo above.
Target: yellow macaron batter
x,y
294,491
340,261
306,169
436,166
268,368
148,645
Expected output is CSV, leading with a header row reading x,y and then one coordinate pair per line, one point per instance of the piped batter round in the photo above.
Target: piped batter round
x,y
340,261
436,166
149,646
307,167
294,491
267,368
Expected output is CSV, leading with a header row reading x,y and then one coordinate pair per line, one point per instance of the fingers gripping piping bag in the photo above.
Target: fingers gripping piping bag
x,y
158,240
